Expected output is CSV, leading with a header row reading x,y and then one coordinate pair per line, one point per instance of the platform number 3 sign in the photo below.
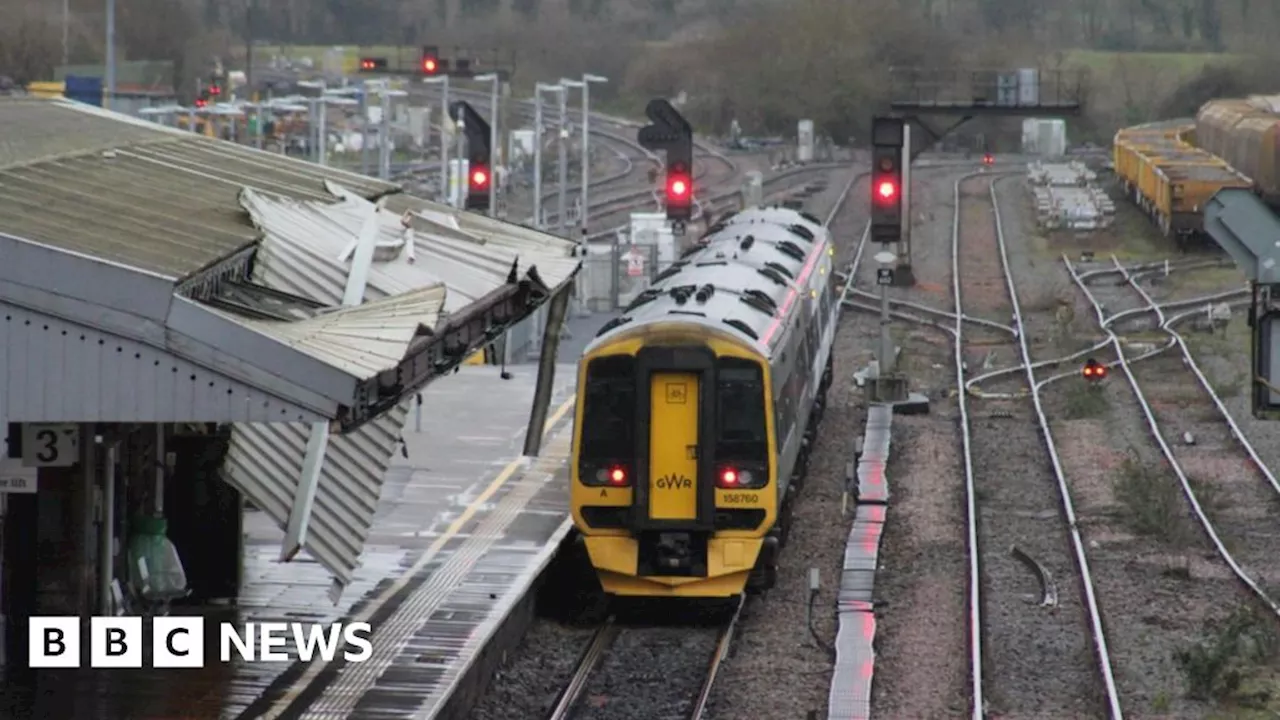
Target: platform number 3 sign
x,y
48,445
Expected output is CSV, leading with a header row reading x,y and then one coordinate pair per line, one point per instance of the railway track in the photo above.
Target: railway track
x,y
629,672
1040,658
1204,447
1235,524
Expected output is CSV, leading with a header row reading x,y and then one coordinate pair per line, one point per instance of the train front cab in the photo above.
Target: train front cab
x,y
674,485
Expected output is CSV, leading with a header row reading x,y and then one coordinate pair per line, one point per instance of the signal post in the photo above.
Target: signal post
x,y
672,134
890,227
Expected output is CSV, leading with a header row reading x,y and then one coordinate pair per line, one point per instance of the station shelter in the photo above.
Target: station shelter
x,y
187,325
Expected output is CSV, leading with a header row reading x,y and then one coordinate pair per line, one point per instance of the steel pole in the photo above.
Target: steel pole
x,y
562,221
444,140
384,137
106,546
66,32
111,54
322,130
464,179
364,128
537,158
493,148
886,340
586,158
313,125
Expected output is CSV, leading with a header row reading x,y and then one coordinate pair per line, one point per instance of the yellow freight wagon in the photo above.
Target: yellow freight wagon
x,y
1183,189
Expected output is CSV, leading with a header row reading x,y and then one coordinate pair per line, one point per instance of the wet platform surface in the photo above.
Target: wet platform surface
x,y
462,527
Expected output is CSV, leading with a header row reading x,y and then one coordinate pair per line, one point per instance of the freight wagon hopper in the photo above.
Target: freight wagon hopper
x,y
1244,134
1168,178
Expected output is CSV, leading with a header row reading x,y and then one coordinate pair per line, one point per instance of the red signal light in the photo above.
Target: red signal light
x,y
366,64
1093,370
479,178
214,90
988,159
429,65
886,191
201,102
677,187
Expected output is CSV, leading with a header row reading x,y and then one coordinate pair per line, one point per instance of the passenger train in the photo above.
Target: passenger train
x,y
698,406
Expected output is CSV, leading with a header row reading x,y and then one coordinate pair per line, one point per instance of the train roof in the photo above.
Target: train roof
x,y
736,279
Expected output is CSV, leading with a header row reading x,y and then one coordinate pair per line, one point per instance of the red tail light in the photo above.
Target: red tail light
x,y
729,477
613,476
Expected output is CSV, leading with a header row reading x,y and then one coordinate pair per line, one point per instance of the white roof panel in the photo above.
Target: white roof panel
x,y
304,241
363,340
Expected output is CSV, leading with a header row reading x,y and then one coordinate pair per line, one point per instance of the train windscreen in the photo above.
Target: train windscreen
x,y
741,428
609,409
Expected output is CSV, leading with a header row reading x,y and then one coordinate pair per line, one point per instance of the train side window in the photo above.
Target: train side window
x,y
742,431
609,409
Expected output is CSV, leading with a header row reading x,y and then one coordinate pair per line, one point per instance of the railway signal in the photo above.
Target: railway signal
x,y
888,140
679,191
1094,371
988,159
479,173
373,64
430,63
671,133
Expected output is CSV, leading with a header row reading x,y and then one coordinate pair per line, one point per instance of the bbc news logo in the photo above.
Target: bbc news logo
x,y
179,642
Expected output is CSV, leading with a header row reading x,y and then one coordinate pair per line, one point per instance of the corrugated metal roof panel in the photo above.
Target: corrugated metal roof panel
x,y
363,340
114,187
303,240
550,254
265,462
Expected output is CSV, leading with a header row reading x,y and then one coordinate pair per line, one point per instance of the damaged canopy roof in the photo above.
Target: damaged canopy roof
x,y
307,245
307,250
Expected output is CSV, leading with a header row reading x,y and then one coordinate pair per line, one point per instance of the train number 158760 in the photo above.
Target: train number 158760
x,y
741,498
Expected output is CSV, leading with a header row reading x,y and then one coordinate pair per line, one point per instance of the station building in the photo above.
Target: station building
x,y
188,325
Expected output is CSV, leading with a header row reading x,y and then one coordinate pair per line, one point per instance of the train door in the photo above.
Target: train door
x,y
673,446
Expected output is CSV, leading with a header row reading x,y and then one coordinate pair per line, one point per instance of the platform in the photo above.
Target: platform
x,y
463,528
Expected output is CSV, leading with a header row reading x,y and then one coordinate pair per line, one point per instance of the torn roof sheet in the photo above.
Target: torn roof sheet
x,y
304,243
364,340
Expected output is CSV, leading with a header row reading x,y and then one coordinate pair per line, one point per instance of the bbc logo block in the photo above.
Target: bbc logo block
x,y
116,642
179,642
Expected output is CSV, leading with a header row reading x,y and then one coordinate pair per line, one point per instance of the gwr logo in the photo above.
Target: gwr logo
x,y
674,482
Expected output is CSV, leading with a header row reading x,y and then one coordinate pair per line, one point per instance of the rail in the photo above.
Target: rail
x,y
1068,507
603,640
1125,365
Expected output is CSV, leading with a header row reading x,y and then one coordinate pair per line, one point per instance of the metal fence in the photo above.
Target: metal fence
x,y
613,276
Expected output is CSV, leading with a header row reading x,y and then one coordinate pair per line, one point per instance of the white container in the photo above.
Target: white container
x,y
804,145
1028,87
1047,138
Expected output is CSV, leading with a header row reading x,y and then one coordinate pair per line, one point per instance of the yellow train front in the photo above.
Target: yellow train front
x,y
697,408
